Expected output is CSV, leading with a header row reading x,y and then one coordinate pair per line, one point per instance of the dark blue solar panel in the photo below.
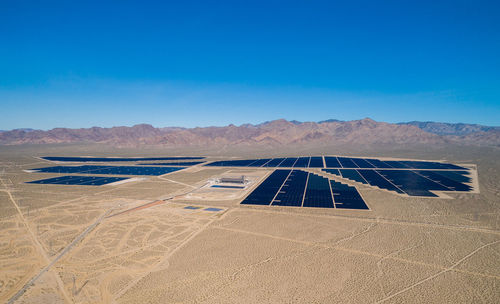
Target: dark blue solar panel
x,y
318,192
352,174
292,191
411,183
332,162
79,180
302,162
316,162
458,176
445,181
452,167
259,162
288,162
51,180
70,169
245,162
347,197
265,192
229,187
362,163
220,163
113,159
332,171
111,170
397,164
232,163
171,164
429,165
347,162
419,165
274,162
377,163
374,179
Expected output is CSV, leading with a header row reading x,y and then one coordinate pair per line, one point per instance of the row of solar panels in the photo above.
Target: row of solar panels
x,y
171,164
334,162
114,159
411,182
79,180
298,188
291,162
94,169
111,170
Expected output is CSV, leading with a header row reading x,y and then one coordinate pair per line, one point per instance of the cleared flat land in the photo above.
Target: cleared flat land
x,y
404,249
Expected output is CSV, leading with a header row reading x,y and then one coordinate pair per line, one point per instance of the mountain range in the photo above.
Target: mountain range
x,y
277,132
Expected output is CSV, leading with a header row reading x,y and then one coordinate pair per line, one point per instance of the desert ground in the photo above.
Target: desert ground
x,y
137,242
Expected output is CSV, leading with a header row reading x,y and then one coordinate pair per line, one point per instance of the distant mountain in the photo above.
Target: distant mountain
x,y
329,120
20,129
271,133
441,128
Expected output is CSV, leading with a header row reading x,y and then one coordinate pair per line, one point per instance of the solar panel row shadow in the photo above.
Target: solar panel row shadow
x,y
332,162
265,192
292,191
318,192
79,180
352,174
316,162
374,179
288,162
412,183
332,171
113,159
302,162
347,197
111,170
445,181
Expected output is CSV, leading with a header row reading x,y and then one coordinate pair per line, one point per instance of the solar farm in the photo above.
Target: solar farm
x,y
310,181
212,229
313,188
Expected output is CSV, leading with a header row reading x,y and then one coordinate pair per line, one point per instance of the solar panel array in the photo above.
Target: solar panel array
x,y
114,159
298,188
79,180
335,162
111,170
152,169
172,164
289,186
410,182
414,178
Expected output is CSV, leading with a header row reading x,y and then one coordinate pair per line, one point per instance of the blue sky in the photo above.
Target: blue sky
x,y
199,63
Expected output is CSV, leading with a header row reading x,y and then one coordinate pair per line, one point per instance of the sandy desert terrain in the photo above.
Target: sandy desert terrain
x,y
137,242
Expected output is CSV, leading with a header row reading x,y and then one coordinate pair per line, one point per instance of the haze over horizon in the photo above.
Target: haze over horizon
x,y
201,64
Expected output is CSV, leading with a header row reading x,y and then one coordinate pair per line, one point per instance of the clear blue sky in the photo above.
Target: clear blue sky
x,y
190,63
